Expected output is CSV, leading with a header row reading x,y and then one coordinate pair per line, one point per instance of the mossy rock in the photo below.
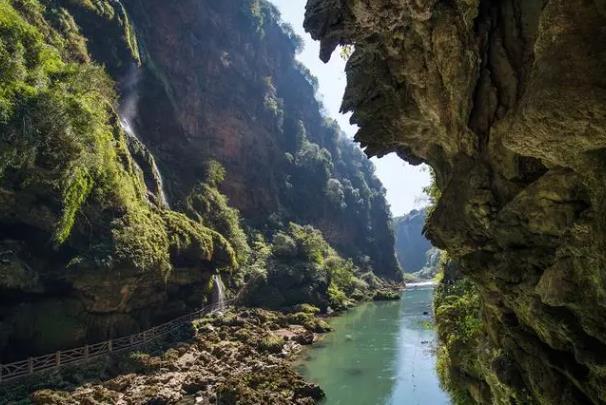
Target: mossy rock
x,y
306,308
309,322
271,343
386,295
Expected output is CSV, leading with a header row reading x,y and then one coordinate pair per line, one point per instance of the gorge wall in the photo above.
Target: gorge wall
x,y
506,100
413,250
129,131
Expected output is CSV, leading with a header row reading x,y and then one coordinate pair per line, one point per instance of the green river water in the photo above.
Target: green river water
x,y
379,353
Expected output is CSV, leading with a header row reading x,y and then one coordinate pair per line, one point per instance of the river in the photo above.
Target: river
x,y
379,353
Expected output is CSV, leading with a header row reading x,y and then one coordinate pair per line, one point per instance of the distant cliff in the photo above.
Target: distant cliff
x,y
411,244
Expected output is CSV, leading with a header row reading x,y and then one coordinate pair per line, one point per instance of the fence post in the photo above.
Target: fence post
x,y
58,358
86,352
109,345
30,365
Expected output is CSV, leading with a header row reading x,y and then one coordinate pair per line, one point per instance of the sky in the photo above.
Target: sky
x,y
404,183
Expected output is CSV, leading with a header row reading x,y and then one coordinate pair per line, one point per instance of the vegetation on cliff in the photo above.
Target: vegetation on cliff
x,y
418,258
74,202
304,269
251,107
97,123
457,311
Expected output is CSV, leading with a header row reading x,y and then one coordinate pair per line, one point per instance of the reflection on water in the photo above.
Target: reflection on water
x,y
380,353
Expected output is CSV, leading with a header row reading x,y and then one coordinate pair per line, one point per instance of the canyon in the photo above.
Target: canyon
x,y
156,154
148,148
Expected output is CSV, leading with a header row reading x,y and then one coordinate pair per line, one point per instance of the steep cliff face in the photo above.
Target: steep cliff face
x,y
113,116
219,81
413,250
85,252
506,100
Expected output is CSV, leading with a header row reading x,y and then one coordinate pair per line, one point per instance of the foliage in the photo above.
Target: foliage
x,y
339,273
304,269
457,309
259,14
324,179
346,51
209,207
54,116
191,242
296,40
433,191
60,145
309,321
214,173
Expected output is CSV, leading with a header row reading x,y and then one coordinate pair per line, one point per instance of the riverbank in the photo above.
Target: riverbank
x,y
379,353
242,357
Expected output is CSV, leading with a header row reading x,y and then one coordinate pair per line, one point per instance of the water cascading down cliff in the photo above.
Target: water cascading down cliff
x,y
506,100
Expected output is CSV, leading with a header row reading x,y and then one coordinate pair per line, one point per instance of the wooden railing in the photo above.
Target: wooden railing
x,y
33,365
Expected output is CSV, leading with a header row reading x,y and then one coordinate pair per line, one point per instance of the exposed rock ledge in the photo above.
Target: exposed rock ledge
x,y
506,100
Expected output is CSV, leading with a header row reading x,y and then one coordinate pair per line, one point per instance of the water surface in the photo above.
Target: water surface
x,y
380,353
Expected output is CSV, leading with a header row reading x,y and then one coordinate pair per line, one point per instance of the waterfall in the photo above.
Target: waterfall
x,y
128,111
218,298
157,180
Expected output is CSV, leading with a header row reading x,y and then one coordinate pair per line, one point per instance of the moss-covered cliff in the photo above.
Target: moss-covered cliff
x,y
220,82
506,100
84,251
129,131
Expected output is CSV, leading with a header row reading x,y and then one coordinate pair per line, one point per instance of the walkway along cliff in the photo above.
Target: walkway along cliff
x,y
506,100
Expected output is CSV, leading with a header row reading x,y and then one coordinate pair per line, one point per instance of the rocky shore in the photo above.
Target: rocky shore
x,y
238,356
242,356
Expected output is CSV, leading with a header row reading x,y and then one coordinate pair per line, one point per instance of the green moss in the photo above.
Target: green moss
x,y
111,19
271,343
460,332
209,207
74,196
141,241
309,321
191,241
60,137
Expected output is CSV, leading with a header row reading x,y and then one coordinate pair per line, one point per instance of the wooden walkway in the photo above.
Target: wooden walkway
x,y
34,365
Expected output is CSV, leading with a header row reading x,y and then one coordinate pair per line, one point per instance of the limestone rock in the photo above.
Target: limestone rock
x,y
507,102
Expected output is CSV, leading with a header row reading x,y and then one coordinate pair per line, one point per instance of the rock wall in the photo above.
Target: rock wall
x,y
506,100
112,115
220,81
411,245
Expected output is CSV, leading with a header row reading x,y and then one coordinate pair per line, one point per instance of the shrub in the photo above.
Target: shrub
x,y
209,207
460,332
271,343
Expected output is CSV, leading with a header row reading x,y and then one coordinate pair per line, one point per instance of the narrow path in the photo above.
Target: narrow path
x,y
35,365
